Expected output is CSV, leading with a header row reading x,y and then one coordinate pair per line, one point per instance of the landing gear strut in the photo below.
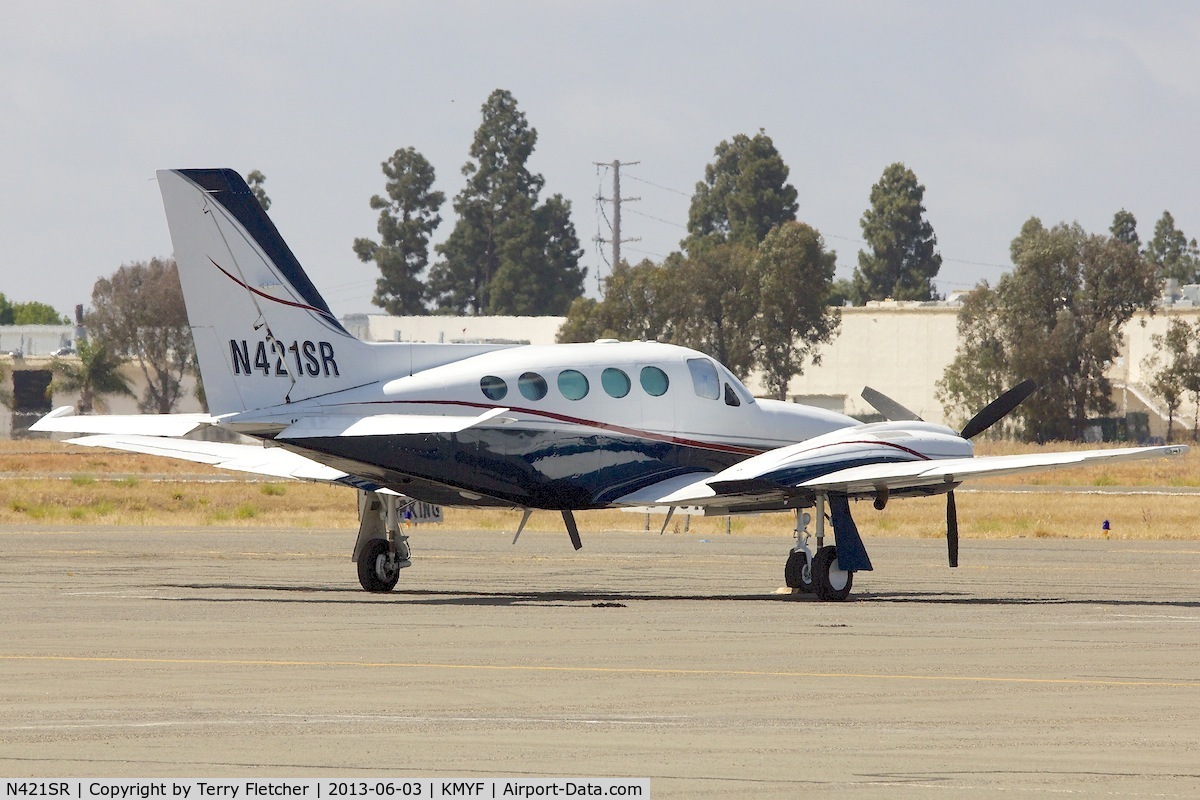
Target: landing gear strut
x,y
817,572
381,551
797,572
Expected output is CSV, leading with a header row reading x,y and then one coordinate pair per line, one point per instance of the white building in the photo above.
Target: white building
x,y
901,349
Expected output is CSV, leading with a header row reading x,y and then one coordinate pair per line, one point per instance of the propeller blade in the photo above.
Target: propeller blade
x,y
951,529
998,409
572,529
889,408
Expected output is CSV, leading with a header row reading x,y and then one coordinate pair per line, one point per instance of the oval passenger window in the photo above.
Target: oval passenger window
x,y
615,382
493,388
573,384
532,386
654,381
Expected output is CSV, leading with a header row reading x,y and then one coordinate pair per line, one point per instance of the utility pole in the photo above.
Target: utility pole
x,y
616,200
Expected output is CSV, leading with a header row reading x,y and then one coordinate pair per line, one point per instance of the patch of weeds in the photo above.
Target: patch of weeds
x,y
19,506
40,511
128,481
103,508
78,512
273,490
82,480
1104,479
218,516
246,511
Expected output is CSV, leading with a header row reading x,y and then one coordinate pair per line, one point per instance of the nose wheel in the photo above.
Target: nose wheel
x,y
378,567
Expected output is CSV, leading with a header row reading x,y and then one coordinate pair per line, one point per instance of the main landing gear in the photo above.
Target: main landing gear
x,y
381,551
816,572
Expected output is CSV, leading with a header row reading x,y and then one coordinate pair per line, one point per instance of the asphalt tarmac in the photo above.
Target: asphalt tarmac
x,y
1037,667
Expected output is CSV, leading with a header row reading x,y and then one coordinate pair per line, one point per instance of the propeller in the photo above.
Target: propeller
x,y
988,416
998,409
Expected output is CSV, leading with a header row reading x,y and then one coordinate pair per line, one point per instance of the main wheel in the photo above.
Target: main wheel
x,y
373,571
830,581
794,573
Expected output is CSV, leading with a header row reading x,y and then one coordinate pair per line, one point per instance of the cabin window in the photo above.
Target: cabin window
x,y
493,388
654,381
532,386
615,382
573,384
704,378
731,398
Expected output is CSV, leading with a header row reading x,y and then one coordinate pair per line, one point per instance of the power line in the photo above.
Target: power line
x,y
656,219
659,186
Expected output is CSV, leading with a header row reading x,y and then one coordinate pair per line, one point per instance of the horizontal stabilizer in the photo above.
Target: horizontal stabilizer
x,y
382,425
62,420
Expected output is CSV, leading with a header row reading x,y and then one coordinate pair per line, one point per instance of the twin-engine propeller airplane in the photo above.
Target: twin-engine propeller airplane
x,y
563,427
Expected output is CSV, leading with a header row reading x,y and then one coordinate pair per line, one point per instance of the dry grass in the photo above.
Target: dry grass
x,y
52,483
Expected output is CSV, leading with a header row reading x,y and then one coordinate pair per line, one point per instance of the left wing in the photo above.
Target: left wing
x,y
253,458
65,420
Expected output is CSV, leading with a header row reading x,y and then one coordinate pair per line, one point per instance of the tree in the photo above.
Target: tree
x,y
979,372
256,181
1124,229
902,260
6,398
1168,376
637,306
795,278
1174,368
1056,318
96,376
139,313
713,295
408,216
30,313
1172,252
539,270
744,193
502,227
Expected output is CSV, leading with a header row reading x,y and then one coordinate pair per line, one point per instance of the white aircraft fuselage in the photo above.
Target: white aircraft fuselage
x,y
578,425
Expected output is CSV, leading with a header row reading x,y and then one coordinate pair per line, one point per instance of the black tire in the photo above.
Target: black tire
x,y
793,572
372,570
830,582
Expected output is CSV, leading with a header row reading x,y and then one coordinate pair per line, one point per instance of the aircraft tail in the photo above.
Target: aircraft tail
x,y
264,335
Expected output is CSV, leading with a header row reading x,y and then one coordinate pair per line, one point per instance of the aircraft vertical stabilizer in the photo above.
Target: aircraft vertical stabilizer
x,y
264,335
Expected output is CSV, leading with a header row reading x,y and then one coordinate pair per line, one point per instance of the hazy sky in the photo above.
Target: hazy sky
x,y
1065,110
